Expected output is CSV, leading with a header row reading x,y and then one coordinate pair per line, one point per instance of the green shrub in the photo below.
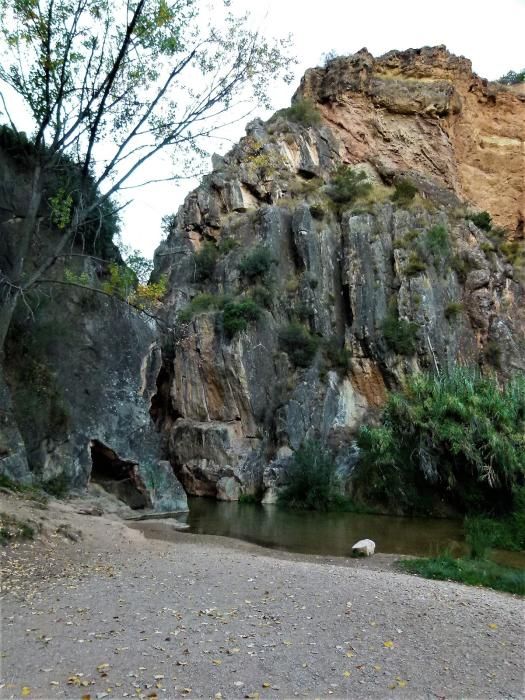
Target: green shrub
x,y
453,309
257,263
262,296
206,261
200,304
507,532
298,343
482,220
400,335
312,482
302,111
237,315
437,241
347,185
461,267
404,193
459,435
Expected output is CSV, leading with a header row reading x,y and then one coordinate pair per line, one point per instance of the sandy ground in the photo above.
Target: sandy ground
x,y
98,610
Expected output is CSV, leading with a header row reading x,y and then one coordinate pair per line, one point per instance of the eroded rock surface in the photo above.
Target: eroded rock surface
x,y
236,404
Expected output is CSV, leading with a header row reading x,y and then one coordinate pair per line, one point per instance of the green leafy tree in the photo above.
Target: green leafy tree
x,y
109,85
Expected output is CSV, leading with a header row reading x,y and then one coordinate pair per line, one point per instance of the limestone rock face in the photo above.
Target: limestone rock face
x,y
77,379
380,289
425,111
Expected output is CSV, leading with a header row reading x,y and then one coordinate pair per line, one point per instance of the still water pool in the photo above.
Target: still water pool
x,y
329,534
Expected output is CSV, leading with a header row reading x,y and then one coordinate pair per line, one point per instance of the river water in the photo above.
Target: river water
x,y
330,534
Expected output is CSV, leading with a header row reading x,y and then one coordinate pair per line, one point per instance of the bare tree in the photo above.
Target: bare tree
x,y
109,85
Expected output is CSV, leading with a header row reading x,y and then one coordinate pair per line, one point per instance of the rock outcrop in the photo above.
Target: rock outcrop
x,y
424,111
78,376
290,316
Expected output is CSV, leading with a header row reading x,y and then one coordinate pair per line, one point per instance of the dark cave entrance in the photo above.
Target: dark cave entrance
x,y
118,476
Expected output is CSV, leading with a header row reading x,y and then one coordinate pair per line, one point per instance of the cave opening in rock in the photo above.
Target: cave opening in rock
x,y
117,476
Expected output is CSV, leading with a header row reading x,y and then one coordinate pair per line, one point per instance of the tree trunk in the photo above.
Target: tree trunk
x,y
11,287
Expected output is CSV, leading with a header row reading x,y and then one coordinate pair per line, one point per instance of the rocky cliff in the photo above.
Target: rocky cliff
x,y
79,370
293,307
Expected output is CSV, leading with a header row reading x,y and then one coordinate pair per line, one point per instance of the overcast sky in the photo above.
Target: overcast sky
x,y
490,33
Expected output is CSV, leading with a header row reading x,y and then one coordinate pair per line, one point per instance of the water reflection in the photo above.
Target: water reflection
x,y
323,533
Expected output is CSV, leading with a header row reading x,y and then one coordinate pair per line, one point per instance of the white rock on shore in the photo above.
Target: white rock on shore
x,y
363,548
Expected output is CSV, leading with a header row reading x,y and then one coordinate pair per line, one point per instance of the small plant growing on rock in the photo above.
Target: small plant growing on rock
x,y
238,314
206,261
347,185
199,304
262,296
437,241
404,193
400,335
301,111
257,263
298,343
452,310
482,220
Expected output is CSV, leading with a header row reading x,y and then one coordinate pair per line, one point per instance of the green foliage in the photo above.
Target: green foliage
x,y
237,315
482,220
460,435
298,343
61,203
73,277
206,261
473,572
404,193
249,498
312,481
437,241
479,537
347,185
302,111
200,303
122,281
453,309
399,335
262,296
513,77
503,533
149,296
257,263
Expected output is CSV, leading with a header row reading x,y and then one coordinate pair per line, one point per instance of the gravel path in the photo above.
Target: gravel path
x,y
131,617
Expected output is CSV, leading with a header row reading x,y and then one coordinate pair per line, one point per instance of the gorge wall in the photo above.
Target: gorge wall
x,y
290,317
289,313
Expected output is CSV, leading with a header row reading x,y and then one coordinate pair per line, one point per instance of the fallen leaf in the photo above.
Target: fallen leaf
x,y
26,690
266,684
347,674
493,626
389,644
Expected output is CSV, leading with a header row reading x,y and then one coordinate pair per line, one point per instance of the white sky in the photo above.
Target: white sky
x,y
490,33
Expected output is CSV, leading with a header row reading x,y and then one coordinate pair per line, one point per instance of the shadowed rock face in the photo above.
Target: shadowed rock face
x,y
234,405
